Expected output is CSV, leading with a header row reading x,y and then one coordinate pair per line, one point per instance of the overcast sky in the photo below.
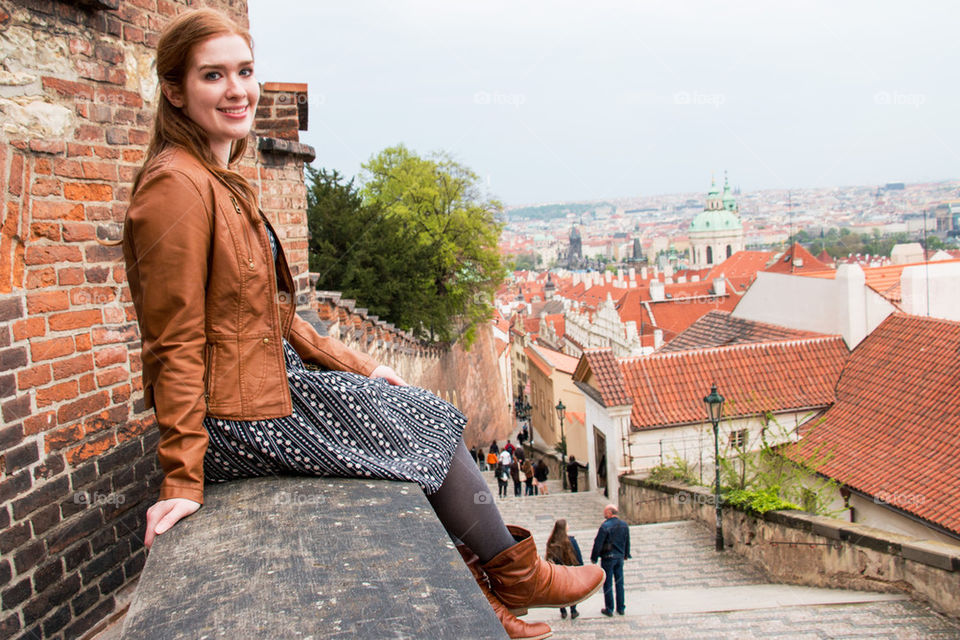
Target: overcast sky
x,y
551,100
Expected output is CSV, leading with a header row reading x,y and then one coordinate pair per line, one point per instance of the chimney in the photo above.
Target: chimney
x,y
644,274
681,279
656,291
694,278
719,286
657,338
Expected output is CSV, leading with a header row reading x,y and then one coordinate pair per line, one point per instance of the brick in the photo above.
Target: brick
x,y
133,155
16,409
14,358
42,167
97,274
28,556
96,615
33,377
98,296
45,187
117,135
90,132
67,88
10,309
16,594
56,621
74,319
69,168
85,600
90,449
47,301
111,153
88,383
50,599
82,342
87,191
39,422
57,393
139,136
100,253
110,355
6,571
77,555
114,315
83,407
52,466
70,275
78,232
14,485
41,278
48,210
132,34
120,395
20,457
78,150
112,55
48,230
8,385
111,377
50,254
11,436
45,519
28,328
78,528
48,146
104,335
46,494
15,181
54,348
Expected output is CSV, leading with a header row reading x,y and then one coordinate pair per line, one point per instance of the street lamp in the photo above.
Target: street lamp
x,y
563,445
527,412
714,403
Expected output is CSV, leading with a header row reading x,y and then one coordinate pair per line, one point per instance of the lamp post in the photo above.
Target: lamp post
x,y
563,445
714,403
527,412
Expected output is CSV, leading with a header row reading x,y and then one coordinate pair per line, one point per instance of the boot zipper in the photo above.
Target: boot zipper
x,y
246,238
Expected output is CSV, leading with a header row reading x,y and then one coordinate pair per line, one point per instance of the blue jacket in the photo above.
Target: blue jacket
x,y
576,549
612,541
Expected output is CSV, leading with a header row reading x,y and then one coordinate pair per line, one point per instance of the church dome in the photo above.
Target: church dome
x,y
716,220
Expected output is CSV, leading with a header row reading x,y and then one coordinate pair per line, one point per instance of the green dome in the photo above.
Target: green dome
x,y
716,220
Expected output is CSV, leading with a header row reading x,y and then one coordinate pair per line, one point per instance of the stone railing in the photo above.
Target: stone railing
x,y
295,557
800,548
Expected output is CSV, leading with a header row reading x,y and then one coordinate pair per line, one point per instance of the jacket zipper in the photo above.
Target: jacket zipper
x,y
246,237
208,365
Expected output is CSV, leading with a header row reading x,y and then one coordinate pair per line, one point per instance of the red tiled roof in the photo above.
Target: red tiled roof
x,y
556,359
884,280
537,361
894,432
668,388
786,263
719,328
674,316
599,369
742,264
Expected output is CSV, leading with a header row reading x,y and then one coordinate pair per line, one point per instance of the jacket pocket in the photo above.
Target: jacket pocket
x,y
208,373
223,378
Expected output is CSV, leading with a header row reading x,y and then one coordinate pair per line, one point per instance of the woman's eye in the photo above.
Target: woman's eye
x,y
246,72
212,75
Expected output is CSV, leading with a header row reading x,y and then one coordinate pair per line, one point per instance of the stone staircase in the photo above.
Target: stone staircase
x,y
678,586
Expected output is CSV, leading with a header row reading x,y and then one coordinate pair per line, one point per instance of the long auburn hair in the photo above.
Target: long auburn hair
x,y
171,126
559,548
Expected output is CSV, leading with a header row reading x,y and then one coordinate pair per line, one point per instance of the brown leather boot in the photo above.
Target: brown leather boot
x,y
521,579
516,628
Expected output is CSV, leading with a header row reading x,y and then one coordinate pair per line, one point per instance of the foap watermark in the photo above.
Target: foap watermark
x,y
899,498
899,99
496,97
483,497
714,100
685,497
297,498
96,498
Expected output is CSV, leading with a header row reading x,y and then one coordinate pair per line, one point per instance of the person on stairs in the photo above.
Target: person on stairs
x,y
562,548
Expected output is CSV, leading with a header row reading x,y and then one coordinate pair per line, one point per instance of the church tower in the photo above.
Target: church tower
x,y
717,232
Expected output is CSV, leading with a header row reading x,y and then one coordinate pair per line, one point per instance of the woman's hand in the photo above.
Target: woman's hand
x,y
388,374
164,514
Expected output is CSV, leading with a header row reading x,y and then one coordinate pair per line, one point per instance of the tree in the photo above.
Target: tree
x,y
437,206
358,250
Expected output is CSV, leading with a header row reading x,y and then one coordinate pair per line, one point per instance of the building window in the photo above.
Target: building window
x,y
738,439
709,255
729,251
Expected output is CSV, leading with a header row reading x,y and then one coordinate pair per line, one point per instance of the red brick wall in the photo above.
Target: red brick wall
x,y
77,451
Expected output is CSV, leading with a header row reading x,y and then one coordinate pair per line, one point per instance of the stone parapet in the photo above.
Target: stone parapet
x,y
801,548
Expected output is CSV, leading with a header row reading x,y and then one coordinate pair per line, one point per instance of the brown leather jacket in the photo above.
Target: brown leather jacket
x,y
211,314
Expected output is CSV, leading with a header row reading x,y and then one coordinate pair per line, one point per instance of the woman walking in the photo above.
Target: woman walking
x,y
224,352
563,549
528,477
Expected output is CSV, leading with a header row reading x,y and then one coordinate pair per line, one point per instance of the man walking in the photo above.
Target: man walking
x,y
612,547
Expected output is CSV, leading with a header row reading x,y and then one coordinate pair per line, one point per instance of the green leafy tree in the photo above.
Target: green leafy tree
x,y
358,250
437,206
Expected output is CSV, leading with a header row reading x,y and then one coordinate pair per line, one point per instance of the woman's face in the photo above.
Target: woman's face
x,y
220,92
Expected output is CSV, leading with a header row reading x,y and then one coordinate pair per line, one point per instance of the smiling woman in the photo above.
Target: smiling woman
x,y
223,349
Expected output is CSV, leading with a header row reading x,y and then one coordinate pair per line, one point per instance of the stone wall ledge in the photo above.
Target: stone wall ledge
x,y
287,147
297,557
802,548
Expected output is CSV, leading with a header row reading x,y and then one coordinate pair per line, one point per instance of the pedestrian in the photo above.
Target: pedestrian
x,y
515,476
491,460
505,459
519,455
223,350
527,470
562,548
473,453
503,479
612,547
540,473
573,473
493,447
509,447
522,436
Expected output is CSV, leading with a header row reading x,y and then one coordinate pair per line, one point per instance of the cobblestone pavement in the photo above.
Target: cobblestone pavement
x,y
676,578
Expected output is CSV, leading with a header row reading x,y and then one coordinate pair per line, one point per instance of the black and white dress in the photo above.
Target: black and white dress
x,y
342,424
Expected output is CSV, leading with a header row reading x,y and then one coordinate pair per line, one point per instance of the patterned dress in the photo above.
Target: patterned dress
x,y
342,424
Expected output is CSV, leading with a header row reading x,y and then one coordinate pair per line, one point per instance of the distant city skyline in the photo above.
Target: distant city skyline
x,y
560,101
